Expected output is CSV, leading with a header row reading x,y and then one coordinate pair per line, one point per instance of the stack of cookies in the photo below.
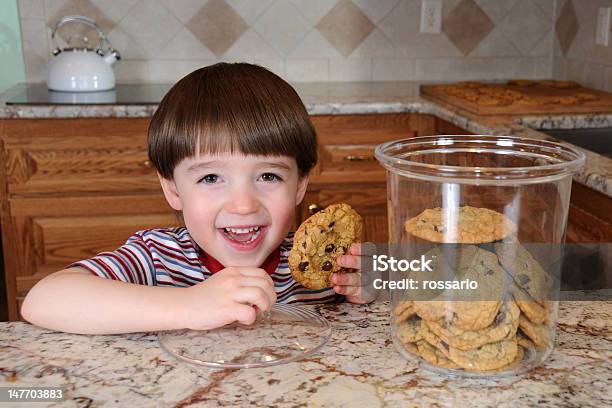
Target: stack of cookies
x,y
508,315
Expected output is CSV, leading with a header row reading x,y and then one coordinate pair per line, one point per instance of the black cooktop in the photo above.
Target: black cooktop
x,y
126,94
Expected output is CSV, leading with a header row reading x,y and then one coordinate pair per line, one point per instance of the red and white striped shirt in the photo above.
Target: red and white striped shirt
x,y
169,257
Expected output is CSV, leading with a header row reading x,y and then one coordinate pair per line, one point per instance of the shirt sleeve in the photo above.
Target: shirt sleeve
x,y
132,263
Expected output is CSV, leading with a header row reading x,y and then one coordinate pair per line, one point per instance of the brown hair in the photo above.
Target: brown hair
x,y
230,107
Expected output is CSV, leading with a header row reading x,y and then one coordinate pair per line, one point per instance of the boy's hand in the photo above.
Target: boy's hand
x,y
349,283
230,295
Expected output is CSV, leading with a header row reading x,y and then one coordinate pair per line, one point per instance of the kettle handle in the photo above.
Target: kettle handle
x,y
104,43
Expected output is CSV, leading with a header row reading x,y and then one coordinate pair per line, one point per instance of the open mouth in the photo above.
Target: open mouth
x,y
242,236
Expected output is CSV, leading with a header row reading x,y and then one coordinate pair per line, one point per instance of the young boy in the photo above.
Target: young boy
x,y
232,145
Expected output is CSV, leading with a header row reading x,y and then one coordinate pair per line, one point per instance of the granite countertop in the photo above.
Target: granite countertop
x,y
359,366
360,98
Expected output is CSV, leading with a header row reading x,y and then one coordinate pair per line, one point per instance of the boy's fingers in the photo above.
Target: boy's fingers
x,y
347,290
347,279
254,296
245,314
355,249
349,261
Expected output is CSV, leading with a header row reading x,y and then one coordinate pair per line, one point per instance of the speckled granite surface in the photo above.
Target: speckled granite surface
x,y
371,97
358,367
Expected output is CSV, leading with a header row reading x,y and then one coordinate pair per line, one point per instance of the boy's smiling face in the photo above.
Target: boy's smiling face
x,y
237,207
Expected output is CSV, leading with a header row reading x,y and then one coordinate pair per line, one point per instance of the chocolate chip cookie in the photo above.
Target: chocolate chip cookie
x,y
319,241
503,327
490,356
463,225
527,273
481,266
538,333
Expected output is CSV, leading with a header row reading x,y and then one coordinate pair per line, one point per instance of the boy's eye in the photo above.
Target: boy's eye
x,y
209,179
271,177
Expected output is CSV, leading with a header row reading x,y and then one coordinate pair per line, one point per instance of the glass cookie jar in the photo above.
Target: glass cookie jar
x,y
486,217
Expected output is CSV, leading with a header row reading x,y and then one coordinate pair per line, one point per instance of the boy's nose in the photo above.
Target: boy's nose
x,y
242,201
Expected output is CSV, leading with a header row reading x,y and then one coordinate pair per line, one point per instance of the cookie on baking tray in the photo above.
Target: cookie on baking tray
x,y
319,241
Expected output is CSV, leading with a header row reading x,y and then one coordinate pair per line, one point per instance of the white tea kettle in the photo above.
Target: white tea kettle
x,y
82,69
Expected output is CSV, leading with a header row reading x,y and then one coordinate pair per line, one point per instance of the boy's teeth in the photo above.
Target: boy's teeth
x,y
241,230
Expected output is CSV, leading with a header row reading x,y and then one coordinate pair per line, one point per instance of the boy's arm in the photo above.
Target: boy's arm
x,y
73,300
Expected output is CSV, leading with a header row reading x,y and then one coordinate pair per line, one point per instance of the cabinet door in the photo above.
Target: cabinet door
x,y
45,235
70,156
369,201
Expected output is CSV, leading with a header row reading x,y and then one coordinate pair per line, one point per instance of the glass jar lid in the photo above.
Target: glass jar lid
x,y
288,333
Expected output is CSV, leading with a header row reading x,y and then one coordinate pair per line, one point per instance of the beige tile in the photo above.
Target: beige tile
x,y
442,69
313,10
547,7
402,28
314,45
345,26
376,10
567,26
115,9
496,44
34,38
152,27
31,8
559,69
252,45
350,69
525,25
126,45
608,79
183,10
393,69
79,7
595,76
466,26
170,71
307,70
250,10
496,9
375,45
185,45
544,47
217,25
576,71
132,71
282,26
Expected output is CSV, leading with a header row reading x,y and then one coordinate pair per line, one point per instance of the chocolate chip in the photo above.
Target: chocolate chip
x,y
343,249
523,279
489,272
330,248
444,344
303,266
331,224
327,266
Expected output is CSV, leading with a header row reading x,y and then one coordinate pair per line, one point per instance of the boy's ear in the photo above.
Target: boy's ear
x,y
301,190
170,192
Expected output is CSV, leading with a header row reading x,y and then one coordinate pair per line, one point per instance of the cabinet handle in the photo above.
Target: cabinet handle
x,y
146,163
358,158
313,209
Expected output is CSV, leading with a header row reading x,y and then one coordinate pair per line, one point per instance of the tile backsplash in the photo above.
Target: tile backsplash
x,y
325,40
576,55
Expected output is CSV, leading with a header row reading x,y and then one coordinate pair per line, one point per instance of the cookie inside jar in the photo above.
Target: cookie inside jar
x,y
490,327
